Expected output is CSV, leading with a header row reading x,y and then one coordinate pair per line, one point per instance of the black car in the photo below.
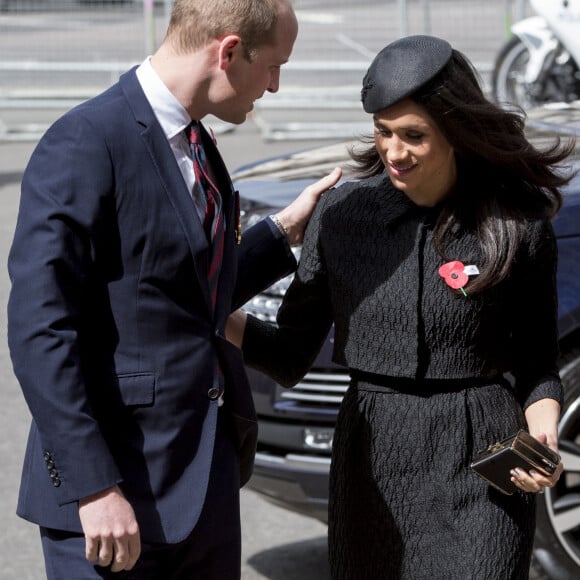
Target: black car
x,y
296,426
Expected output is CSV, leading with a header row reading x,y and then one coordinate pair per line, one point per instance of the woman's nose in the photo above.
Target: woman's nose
x,y
396,150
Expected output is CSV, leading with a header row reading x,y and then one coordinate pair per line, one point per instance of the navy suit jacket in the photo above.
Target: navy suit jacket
x,y
111,330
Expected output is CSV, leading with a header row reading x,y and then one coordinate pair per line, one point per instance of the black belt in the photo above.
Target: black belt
x,y
375,382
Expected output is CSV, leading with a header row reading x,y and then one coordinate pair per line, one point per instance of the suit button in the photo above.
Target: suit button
x,y
50,464
56,482
213,393
47,455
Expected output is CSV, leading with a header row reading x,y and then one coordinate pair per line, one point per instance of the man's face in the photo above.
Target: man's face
x,y
249,80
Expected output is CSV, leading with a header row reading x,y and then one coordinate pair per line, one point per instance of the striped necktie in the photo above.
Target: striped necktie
x,y
213,222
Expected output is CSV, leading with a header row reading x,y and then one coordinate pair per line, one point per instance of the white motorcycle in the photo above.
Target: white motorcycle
x,y
540,63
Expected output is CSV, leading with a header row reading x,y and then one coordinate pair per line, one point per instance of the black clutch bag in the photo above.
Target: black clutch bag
x,y
521,450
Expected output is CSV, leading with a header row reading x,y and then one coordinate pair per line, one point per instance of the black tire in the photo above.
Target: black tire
x,y
508,86
557,547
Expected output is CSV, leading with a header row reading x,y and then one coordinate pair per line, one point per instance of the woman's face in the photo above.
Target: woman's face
x,y
419,159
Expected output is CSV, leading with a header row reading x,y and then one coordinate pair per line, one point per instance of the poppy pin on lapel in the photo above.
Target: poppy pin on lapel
x,y
456,274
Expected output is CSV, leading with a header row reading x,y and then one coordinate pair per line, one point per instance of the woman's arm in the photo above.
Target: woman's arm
x,y
535,318
535,336
542,418
235,327
287,350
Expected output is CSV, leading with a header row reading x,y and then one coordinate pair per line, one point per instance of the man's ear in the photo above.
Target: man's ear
x,y
230,48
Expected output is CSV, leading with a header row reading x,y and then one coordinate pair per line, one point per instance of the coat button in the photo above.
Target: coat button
x,y
47,455
50,464
213,393
56,482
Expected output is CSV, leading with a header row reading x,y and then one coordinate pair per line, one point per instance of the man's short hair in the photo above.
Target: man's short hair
x,y
195,23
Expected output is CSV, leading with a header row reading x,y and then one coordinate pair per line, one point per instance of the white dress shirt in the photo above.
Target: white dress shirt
x,y
173,119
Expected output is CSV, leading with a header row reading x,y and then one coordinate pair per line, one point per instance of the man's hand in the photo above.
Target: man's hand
x,y
294,218
111,530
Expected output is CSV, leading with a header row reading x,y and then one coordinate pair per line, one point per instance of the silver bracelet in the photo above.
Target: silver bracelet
x,y
279,225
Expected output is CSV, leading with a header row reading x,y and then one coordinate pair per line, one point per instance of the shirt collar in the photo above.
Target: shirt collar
x,y
171,115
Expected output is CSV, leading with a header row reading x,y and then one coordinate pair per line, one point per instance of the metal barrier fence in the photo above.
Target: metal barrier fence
x,y
55,53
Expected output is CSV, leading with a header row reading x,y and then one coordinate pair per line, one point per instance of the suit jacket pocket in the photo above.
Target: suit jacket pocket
x,y
137,389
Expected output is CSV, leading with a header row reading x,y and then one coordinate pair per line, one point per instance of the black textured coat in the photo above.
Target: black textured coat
x,y
404,502
368,265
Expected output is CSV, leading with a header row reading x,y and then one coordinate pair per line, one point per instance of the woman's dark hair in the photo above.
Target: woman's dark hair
x,y
503,180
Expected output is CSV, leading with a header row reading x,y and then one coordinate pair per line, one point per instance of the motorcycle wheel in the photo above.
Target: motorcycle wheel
x,y
560,84
508,85
557,545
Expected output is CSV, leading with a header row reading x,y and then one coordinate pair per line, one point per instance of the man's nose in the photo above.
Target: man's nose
x,y
274,83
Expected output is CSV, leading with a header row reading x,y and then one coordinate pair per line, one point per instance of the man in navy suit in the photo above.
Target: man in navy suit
x,y
143,425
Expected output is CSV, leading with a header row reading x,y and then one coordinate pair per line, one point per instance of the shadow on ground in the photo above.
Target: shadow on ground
x,y
306,560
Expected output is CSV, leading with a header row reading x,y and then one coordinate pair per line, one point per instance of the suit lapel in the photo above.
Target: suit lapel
x,y
163,161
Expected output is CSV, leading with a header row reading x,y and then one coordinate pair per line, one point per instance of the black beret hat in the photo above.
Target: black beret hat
x,y
401,68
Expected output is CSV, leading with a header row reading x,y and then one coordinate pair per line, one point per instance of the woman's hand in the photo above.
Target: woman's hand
x,y
534,481
542,418
235,327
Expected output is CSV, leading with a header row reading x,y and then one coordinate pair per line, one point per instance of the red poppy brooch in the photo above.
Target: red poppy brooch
x,y
456,275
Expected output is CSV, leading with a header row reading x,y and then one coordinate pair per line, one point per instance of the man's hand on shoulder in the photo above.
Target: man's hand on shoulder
x,y
294,218
111,530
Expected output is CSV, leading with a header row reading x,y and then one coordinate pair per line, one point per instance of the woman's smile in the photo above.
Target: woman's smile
x,y
400,170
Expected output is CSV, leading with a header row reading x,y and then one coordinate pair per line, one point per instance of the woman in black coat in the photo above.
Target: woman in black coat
x,y
437,269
